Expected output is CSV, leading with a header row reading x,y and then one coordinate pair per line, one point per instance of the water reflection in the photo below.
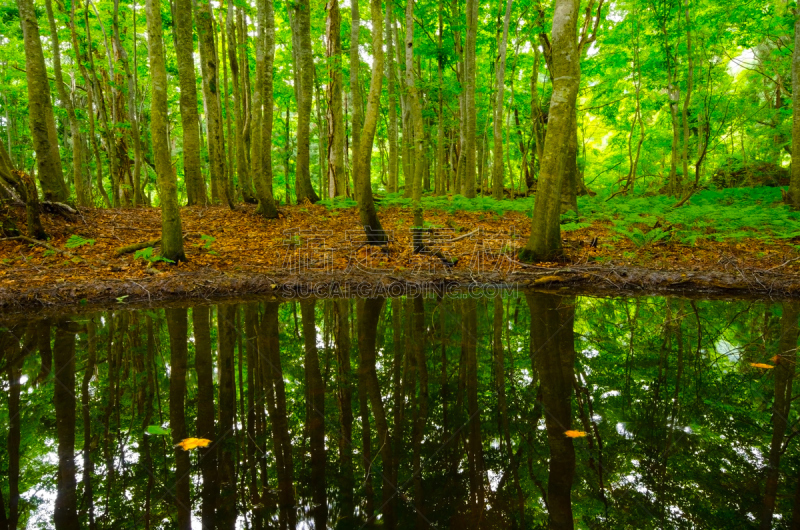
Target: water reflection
x,y
519,411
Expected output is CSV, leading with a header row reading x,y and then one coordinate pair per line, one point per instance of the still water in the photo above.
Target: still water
x,y
509,411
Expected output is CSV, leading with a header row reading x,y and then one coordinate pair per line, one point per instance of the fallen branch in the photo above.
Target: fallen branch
x,y
127,249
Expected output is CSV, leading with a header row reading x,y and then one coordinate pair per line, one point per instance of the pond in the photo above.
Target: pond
x,y
476,410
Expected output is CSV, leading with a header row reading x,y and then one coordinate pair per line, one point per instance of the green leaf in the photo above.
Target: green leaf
x,y
157,430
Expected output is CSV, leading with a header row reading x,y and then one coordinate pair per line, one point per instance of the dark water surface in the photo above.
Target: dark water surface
x,y
404,413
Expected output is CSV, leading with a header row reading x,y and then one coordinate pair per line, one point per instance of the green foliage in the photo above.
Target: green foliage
x,y
148,254
76,241
157,430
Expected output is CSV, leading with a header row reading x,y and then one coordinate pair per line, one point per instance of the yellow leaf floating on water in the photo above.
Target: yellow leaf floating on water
x,y
188,444
575,434
762,365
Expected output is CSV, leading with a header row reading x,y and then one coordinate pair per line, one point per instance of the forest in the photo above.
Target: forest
x,y
404,413
655,125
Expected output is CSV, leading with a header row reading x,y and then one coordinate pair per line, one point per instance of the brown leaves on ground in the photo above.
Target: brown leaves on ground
x,y
315,238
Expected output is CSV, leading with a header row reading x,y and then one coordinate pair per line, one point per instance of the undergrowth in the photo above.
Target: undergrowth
x,y
717,215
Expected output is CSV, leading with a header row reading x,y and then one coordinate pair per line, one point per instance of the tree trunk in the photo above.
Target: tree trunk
x,y
190,121
471,116
545,239
239,109
40,108
74,127
392,101
336,125
500,70
794,183
211,86
305,76
356,103
171,233
135,131
362,162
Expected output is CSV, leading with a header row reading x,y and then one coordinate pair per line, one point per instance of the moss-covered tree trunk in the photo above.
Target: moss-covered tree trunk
x,y
211,97
239,109
81,195
545,239
40,108
171,233
497,130
470,111
362,163
336,125
190,120
794,182
305,92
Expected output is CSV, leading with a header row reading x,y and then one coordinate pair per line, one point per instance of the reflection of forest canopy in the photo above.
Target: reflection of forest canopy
x,y
424,412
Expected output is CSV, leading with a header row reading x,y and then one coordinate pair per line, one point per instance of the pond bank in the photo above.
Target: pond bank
x,y
313,249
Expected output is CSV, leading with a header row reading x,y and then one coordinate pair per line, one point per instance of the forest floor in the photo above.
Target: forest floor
x,y
319,248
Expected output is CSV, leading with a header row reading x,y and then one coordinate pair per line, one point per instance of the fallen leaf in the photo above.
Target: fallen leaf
x,y
776,359
575,434
762,365
187,444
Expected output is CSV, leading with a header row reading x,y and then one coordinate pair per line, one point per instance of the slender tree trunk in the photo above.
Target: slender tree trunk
x,y
74,127
239,109
441,171
40,108
171,233
356,103
305,76
177,327
794,183
363,161
133,114
211,87
392,100
500,70
336,125
468,182
9,347
545,239
88,462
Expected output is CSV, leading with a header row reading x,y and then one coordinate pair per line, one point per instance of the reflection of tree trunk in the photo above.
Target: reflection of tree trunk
x,y
45,351
88,463
345,400
469,337
366,444
226,442
148,414
316,415
269,350
369,312
65,514
552,319
421,411
177,327
9,348
255,406
784,374
204,366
